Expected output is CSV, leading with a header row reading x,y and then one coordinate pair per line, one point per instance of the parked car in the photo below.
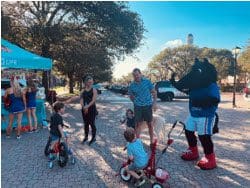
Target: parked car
x,y
122,89
99,88
167,92
246,90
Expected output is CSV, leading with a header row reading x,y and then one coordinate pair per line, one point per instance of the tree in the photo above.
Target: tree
x,y
116,30
177,59
222,59
244,61
180,60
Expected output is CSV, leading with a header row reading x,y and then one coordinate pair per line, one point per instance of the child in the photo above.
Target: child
x,y
56,127
17,106
129,119
31,91
137,154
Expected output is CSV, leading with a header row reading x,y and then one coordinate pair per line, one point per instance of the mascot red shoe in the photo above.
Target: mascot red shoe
x,y
204,97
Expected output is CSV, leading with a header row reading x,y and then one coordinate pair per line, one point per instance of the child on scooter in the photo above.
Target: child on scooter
x,y
136,154
56,128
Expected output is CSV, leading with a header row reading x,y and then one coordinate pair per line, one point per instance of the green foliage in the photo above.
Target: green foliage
x,y
82,36
244,59
180,60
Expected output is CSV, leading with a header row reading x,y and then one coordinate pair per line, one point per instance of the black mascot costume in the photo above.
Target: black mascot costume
x,y
204,97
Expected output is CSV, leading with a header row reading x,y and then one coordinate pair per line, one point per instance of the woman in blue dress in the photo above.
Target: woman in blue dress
x,y
31,91
17,106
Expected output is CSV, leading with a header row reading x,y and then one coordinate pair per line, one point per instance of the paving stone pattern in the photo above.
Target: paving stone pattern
x,y
24,164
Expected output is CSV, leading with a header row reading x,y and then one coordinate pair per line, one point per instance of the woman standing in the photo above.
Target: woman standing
x,y
87,100
17,106
31,104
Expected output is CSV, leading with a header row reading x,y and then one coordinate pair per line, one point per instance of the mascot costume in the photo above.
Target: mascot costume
x,y
204,97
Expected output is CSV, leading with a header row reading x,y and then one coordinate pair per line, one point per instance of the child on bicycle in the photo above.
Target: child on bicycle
x,y
56,127
136,154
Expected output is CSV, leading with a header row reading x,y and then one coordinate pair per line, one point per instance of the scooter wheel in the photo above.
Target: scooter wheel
x,y
124,175
157,185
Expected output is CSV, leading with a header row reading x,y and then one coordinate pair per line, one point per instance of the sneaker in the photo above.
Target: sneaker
x,y
50,164
92,141
18,137
35,130
72,159
84,140
70,152
140,182
52,157
30,131
7,136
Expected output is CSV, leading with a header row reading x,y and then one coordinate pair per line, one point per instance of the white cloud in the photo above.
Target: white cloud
x,y
127,66
172,43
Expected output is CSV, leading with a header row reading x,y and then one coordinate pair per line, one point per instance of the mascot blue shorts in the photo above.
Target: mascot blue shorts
x,y
204,97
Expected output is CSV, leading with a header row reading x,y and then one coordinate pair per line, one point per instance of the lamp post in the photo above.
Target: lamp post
x,y
235,52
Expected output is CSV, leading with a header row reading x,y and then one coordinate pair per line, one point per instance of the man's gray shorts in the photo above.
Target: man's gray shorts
x,y
143,113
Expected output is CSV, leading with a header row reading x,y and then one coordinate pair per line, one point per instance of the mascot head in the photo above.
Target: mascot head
x,y
201,75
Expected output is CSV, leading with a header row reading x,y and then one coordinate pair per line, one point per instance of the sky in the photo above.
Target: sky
x,y
213,25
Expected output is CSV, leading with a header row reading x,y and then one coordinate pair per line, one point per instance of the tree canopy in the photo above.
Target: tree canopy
x,y
83,37
180,60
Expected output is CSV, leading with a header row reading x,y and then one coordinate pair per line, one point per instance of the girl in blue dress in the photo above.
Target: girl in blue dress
x,y
31,91
17,106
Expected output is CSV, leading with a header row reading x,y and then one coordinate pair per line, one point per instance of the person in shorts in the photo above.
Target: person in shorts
x,y
141,91
17,106
31,91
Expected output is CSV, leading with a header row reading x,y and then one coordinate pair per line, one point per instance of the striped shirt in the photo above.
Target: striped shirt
x,y
142,92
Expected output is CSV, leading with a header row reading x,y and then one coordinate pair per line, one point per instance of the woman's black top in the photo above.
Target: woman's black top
x,y
87,97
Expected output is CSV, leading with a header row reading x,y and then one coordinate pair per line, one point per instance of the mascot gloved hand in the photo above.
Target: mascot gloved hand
x,y
204,97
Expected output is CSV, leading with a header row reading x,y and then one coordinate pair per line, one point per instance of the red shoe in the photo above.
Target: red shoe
x,y
191,154
208,162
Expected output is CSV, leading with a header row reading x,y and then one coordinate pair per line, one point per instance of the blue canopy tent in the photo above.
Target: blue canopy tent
x,y
19,58
14,57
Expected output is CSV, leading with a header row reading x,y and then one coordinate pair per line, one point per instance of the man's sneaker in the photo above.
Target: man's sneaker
x,y
18,137
140,182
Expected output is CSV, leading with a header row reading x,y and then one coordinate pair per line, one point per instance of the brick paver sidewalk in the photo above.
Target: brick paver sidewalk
x,y
24,164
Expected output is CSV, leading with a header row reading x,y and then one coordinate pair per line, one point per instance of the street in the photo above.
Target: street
x,y
24,164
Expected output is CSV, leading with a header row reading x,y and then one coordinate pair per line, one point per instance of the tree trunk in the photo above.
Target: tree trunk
x,y
45,82
45,53
71,83
80,88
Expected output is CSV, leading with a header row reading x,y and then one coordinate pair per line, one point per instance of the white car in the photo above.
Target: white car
x,y
167,92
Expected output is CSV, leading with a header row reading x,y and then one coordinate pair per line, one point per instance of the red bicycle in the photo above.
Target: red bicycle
x,y
156,175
